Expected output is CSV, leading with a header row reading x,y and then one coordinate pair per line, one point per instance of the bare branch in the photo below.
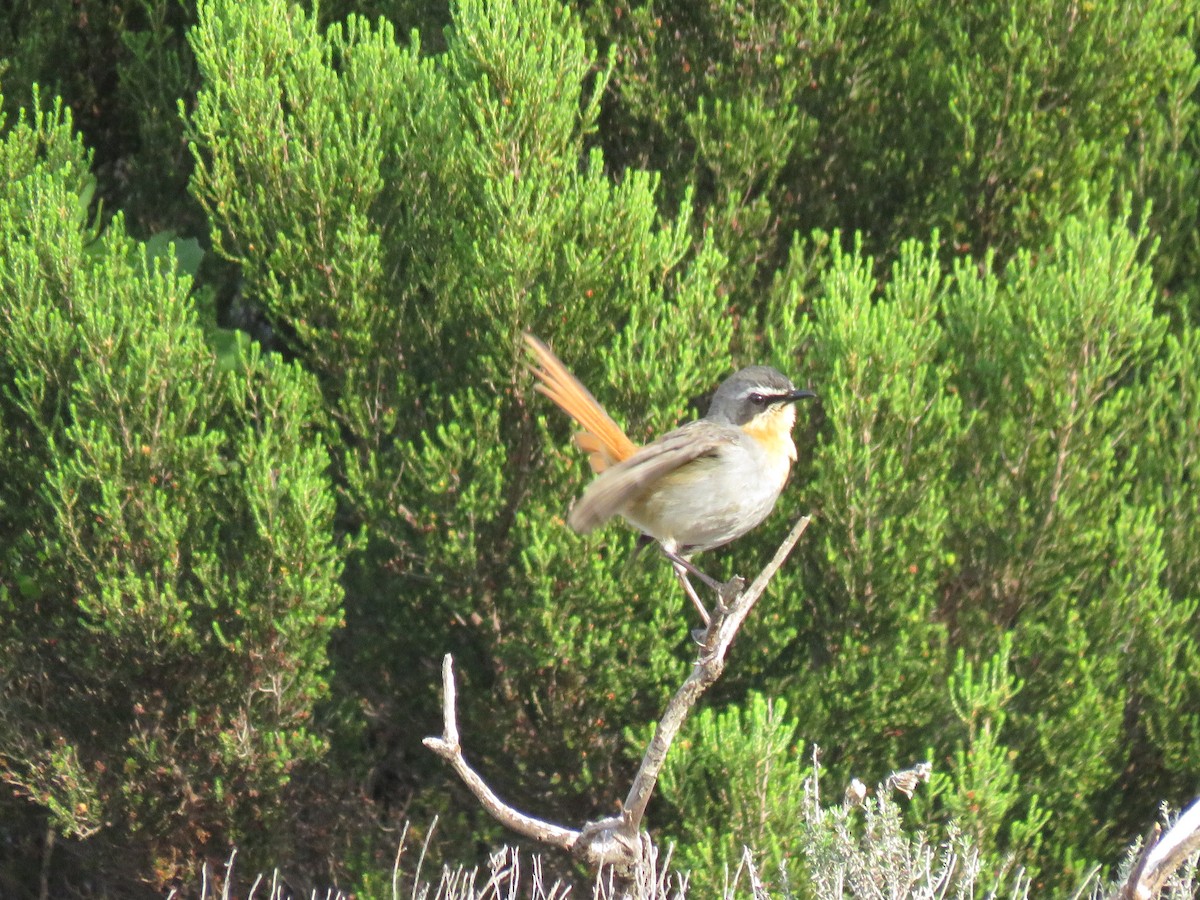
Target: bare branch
x,y
449,702
449,749
618,840
1162,856
741,606
708,668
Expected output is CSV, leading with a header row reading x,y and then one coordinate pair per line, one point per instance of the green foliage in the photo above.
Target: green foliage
x,y
1167,473
403,219
1048,542
879,484
122,68
987,122
169,578
981,791
977,482
745,761
969,228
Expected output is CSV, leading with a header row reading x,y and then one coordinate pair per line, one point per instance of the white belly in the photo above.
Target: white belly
x,y
713,500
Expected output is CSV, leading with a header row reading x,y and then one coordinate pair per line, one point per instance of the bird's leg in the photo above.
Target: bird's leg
x,y
681,574
682,562
725,591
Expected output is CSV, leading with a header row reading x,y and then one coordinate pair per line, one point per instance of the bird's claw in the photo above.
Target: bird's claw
x,y
728,593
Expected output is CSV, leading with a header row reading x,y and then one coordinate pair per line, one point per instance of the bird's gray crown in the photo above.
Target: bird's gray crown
x,y
746,393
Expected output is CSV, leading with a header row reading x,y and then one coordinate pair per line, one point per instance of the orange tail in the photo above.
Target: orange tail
x,y
601,439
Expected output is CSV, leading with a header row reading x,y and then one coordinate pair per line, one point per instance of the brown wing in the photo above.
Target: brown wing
x,y
605,443
615,489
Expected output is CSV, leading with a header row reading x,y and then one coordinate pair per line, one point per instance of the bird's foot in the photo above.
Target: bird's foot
x,y
728,592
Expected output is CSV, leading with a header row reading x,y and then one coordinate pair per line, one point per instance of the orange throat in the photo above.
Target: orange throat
x,y
773,431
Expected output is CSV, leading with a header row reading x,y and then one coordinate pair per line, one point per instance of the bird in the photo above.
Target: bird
x,y
696,487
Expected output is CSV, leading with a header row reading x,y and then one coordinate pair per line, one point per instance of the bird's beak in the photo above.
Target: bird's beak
x,y
798,395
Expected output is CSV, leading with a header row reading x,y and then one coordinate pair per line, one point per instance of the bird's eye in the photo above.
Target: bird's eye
x,y
758,399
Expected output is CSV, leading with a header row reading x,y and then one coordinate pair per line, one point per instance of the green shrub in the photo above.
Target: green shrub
x,y
744,762
403,219
970,230
168,578
989,123
122,68
989,476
